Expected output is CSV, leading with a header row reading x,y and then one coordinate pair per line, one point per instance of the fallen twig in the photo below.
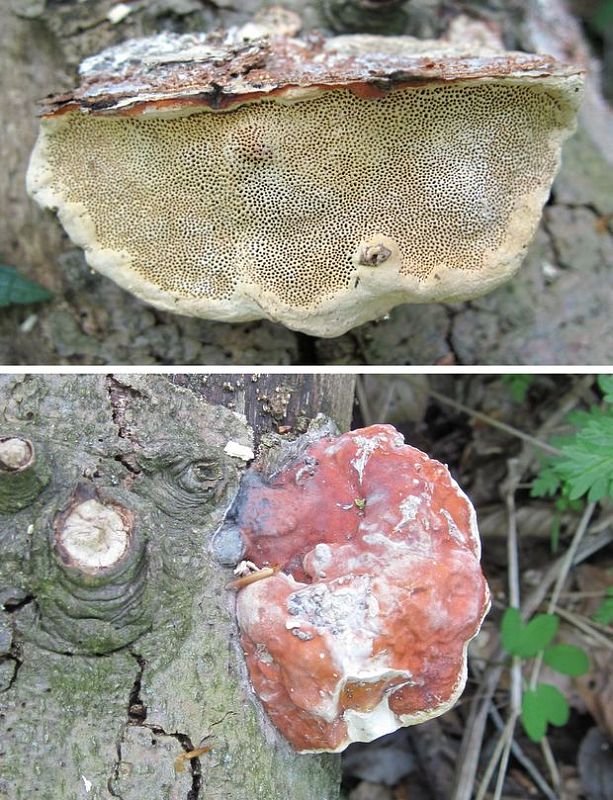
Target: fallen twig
x,y
494,423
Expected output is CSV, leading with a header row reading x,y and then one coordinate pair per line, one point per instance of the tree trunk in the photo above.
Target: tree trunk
x,y
116,662
555,311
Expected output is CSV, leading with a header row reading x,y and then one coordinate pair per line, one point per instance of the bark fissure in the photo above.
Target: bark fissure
x,y
137,711
113,780
119,398
17,662
11,606
137,715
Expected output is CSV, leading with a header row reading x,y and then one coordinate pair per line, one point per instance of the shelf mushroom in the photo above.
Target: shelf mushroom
x,y
317,183
371,589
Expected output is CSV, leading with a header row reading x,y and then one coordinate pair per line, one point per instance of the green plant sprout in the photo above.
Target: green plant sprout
x,y
518,385
542,704
585,465
604,612
17,290
602,17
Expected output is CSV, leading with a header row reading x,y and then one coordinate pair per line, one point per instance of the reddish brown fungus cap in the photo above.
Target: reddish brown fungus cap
x,y
313,182
365,627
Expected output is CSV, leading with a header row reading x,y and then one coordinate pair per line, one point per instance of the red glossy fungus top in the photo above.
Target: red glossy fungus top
x,y
365,626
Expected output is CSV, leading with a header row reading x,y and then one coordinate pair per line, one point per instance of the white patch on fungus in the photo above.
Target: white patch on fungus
x,y
409,508
364,726
365,448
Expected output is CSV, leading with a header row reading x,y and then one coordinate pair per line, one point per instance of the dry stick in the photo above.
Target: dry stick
x,y
526,762
468,757
514,474
507,733
475,726
570,555
514,477
603,522
571,398
586,549
585,625
567,562
389,396
552,766
495,423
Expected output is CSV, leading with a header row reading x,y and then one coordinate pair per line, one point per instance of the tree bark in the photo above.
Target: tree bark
x,y
278,403
112,670
555,311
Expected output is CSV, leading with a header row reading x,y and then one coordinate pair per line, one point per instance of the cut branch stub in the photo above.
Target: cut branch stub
x,y
92,537
364,622
22,475
89,563
316,183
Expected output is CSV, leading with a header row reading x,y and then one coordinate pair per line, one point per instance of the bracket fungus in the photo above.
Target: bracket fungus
x,y
371,589
317,183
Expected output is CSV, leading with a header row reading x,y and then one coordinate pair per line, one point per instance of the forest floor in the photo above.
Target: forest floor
x,y
563,558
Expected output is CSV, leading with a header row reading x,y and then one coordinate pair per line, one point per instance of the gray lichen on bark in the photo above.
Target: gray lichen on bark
x,y
107,688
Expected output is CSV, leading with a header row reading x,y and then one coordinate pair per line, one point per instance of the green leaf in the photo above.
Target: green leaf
x,y
604,612
545,484
526,641
518,385
554,703
532,716
545,704
538,633
602,18
605,382
586,464
17,290
510,629
567,659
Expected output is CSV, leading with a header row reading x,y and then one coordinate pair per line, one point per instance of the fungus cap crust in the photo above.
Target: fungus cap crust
x,y
267,208
366,627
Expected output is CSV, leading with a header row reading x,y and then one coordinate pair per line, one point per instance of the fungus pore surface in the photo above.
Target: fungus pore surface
x,y
365,624
315,183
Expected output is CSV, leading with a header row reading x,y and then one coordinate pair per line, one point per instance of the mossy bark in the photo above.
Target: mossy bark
x,y
102,690
555,311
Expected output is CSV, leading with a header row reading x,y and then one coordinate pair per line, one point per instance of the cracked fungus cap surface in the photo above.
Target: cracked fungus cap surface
x,y
316,183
